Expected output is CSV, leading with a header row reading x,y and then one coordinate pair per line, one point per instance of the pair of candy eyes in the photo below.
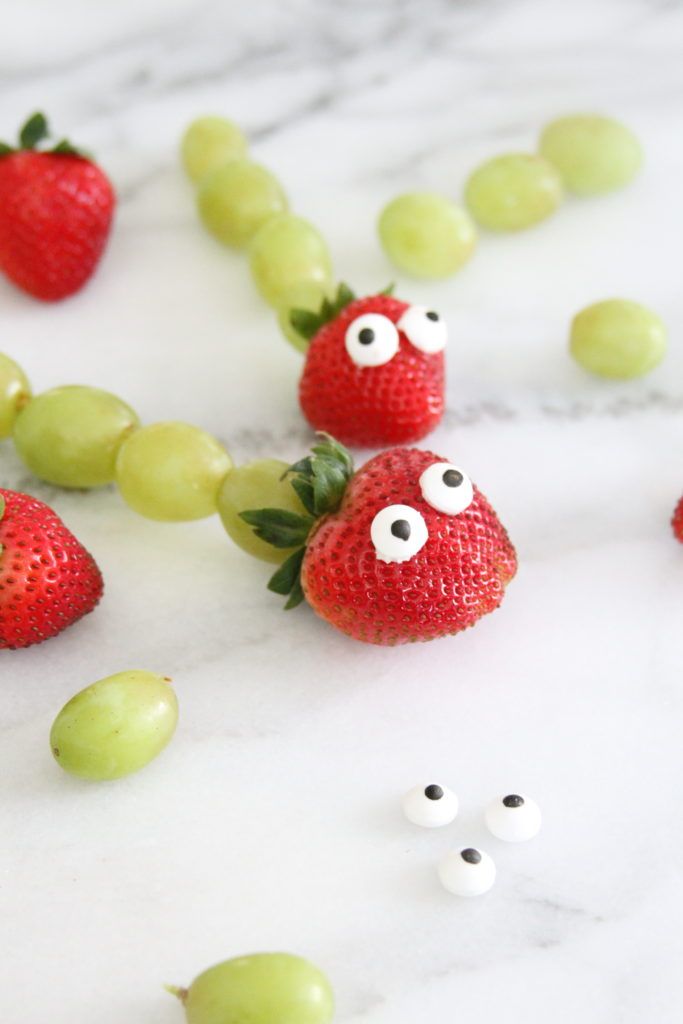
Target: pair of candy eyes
x,y
513,818
398,532
372,339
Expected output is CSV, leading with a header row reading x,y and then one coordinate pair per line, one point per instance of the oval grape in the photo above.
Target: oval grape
x,y
209,143
172,472
426,235
115,726
15,393
286,254
70,435
618,338
513,192
264,988
257,484
235,200
593,154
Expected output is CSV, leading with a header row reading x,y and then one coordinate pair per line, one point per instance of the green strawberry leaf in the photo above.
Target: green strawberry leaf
x,y
389,290
283,580
278,526
331,448
33,132
5,149
329,483
65,148
287,579
343,298
304,322
307,324
305,492
321,479
296,597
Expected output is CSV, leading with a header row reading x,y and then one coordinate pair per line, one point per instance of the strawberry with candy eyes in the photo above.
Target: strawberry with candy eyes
x,y
374,371
405,549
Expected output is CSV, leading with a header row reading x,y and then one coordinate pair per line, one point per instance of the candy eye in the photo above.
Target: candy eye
x,y
514,818
467,872
397,533
430,806
371,340
446,488
424,329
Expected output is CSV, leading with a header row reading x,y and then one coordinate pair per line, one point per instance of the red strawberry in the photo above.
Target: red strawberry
x,y
47,579
380,560
677,521
55,214
372,380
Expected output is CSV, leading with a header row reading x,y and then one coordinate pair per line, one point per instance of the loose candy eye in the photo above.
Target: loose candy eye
x,y
467,872
446,488
371,340
424,329
397,533
513,818
430,806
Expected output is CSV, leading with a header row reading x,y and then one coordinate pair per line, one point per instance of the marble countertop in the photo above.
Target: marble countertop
x,y
273,820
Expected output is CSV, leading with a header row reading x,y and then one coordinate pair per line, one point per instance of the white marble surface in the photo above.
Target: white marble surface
x,y
273,820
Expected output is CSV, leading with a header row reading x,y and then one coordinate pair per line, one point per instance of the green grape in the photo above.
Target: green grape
x,y
172,472
257,484
618,339
592,153
15,393
513,191
426,235
264,988
286,254
310,296
116,726
210,142
70,435
236,199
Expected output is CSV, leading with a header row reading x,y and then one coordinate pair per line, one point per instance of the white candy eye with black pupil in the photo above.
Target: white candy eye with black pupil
x,y
446,488
430,806
371,340
398,532
513,818
424,329
467,872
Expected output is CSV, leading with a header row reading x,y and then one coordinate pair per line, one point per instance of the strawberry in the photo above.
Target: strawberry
x,y
677,521
374,370
56,210
406,549
47,579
